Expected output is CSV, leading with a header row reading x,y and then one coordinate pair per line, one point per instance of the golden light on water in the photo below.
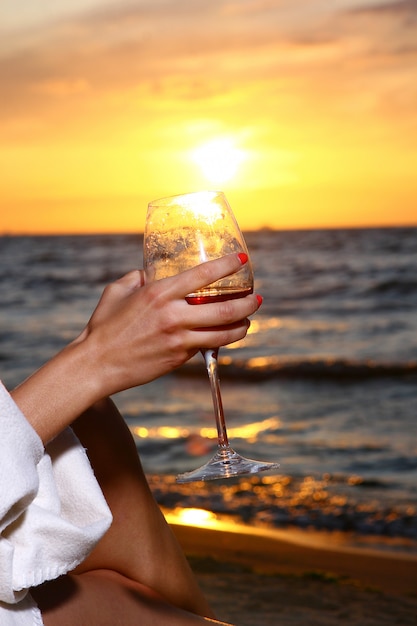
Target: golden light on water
x,y
160,432
261,362
194,516
141,431
169,432
202,518
249,432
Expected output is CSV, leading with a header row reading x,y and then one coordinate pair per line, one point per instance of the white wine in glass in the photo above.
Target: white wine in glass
x,y
180,233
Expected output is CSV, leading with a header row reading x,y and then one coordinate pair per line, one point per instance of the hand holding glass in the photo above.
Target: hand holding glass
x,y
182,232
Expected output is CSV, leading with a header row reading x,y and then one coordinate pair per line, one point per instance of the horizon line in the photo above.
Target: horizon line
x,y
98,233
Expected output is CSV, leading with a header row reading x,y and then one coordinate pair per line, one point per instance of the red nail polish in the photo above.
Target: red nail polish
x,y
259,299
243,257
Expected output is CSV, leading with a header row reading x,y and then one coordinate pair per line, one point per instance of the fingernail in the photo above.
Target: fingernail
x,y
259,299
243,257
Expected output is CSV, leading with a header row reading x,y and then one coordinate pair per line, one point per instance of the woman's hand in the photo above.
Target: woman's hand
x,y
137,333
142,331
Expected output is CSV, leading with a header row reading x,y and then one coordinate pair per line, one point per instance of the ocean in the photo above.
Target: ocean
x,y
325,383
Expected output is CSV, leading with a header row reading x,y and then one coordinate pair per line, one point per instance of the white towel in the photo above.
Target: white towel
x,y
52,511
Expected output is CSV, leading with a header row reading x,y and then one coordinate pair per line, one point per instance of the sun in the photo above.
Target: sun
x,y
219,159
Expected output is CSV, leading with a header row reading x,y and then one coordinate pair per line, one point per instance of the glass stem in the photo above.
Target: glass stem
x,y
210,357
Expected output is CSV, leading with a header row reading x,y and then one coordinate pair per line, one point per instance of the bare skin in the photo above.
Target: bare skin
x,y
137,573
137,333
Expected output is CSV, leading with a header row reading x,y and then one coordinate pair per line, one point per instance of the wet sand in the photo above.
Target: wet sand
x,y
283,578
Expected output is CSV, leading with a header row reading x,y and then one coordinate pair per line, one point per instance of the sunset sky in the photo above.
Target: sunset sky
x,y
303,111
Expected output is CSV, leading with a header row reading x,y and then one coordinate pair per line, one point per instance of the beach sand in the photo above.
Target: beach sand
x,y
256,578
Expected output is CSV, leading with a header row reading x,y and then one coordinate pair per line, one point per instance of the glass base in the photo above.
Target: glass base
x,y
225,464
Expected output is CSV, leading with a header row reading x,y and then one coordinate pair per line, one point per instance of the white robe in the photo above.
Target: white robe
x,y
52,511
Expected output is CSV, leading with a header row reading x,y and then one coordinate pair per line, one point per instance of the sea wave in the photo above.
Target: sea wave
x,y
265,368
321,503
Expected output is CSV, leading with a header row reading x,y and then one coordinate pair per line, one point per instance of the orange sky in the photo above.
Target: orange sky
x,y
310,109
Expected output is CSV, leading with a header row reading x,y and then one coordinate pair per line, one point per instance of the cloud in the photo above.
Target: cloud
x,y
188,49
110,100
390,26
407,8
195,50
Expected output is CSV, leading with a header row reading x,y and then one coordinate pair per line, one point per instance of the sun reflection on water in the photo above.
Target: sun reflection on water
x,y
193,516
249,432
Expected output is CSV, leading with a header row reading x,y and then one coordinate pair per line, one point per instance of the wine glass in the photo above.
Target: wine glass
x,y
181,232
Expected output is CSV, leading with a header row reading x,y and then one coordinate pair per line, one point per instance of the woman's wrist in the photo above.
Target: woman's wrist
x,y
61,390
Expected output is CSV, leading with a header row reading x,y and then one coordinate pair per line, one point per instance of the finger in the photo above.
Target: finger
x,y
114,293
123,287
207,273
132,280
218,314
217,337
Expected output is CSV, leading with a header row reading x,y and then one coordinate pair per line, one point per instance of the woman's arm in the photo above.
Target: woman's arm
x,y
137,333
